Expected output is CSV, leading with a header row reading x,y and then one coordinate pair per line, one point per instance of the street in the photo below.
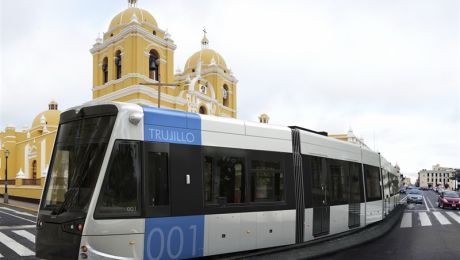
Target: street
x,y
424,232
17,233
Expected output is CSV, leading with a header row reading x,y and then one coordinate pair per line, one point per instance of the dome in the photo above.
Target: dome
x,y
208,56
142,16
49,117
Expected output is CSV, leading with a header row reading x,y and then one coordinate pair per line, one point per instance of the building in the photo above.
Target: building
x,y
29,152
134,62
350,137
437,176
406,181
263,118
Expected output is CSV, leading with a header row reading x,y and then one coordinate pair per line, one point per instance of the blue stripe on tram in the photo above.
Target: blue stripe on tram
x,y
171,126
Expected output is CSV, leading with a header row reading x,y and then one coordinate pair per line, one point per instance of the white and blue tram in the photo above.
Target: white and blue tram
x,y
134,182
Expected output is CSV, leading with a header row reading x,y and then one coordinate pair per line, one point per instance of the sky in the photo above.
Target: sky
x,y
388,70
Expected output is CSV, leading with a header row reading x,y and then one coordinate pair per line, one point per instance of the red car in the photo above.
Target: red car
x,y
449,199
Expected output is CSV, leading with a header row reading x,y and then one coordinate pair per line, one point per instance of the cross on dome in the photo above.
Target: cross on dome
x,y
204,41
132,3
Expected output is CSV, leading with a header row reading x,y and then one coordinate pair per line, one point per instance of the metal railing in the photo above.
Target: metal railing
x,y
10,182
35,182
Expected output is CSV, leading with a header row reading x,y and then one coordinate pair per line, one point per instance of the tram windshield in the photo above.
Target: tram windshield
x,y
77,159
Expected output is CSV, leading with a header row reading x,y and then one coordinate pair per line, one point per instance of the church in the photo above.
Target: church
x,y
132,62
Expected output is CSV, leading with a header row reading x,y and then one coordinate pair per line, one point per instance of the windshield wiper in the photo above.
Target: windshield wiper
x,y
61,209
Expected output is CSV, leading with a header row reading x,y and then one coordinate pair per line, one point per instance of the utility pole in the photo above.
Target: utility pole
x,y
159,85
5,195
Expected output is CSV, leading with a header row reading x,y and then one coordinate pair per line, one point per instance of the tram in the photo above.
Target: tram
x,y
135,182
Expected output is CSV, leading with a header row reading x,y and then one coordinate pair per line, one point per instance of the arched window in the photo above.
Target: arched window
x,y
203,110
34,169
154,69
118,64
105,70
225,95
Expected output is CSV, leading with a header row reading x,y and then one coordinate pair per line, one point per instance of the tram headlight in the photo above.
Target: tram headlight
x,y
75,227
84,250
39,223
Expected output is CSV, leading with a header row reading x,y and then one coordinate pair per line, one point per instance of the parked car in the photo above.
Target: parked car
x,y
402,190
414,196
449,199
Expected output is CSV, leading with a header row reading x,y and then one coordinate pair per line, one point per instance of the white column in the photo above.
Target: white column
x,y
26,160
42,156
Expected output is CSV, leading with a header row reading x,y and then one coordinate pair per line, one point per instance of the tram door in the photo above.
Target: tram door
x,y
320,197
156,179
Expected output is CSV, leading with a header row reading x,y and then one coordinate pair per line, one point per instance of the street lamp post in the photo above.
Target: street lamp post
x,y
5,196
159,85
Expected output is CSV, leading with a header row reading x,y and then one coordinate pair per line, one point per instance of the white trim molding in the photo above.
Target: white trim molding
x,y
136,89
132,28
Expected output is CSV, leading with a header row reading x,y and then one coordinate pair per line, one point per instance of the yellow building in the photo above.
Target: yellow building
x,y
349,137
134,62
29,154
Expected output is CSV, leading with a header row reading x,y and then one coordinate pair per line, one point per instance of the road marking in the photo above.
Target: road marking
x,y
18,212
454,216
424,219
406,221
443,220
28,235
17,227
429,202
15,246
17,216
403,199
426,205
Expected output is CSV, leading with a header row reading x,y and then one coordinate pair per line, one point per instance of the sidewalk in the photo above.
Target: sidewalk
x,y
20,204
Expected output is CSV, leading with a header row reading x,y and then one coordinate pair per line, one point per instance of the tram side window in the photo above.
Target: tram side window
x,y
339,182
385,180
394,184
158,179
208,168
266,181
356,183
224,179
372,176
120,196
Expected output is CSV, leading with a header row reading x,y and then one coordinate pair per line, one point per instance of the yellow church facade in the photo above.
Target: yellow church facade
x,y
132,62
29,152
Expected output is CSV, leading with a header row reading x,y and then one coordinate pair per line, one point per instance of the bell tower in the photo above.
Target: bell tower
x,y
134,51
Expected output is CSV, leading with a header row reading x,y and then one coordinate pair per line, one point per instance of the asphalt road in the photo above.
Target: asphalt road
x,y
425,232
17,233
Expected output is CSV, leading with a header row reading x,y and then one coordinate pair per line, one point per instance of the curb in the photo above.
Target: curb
x,y
20,207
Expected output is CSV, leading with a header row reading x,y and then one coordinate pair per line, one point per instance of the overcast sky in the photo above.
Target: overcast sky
x,y
390,70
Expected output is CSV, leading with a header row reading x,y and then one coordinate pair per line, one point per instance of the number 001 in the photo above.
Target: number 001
x,y
170,241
